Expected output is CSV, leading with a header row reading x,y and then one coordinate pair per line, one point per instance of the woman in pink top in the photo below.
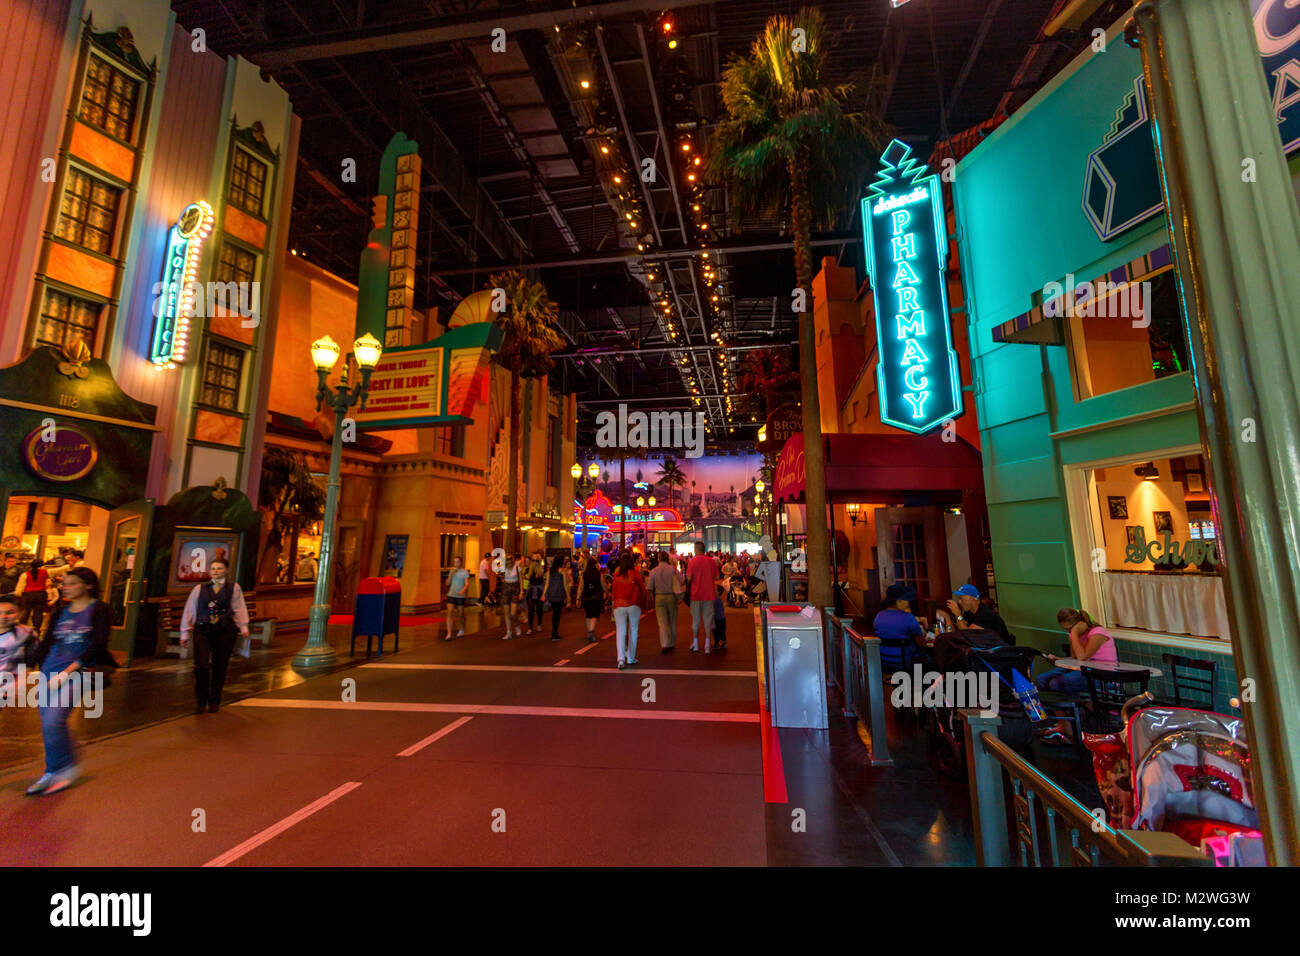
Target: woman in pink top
x,y
1089,641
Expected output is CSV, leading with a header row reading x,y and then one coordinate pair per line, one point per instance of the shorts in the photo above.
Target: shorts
x,y
702,614
457,601
511,590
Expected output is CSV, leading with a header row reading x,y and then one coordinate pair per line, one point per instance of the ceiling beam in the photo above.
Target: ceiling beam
x,y
387,36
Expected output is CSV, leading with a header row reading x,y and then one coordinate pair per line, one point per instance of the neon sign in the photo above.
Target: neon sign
x,y
907,251
180,267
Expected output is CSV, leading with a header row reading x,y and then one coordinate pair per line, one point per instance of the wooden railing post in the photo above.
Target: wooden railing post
x,y
987,794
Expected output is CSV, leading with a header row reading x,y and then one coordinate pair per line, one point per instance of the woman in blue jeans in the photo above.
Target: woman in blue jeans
x,y
76,638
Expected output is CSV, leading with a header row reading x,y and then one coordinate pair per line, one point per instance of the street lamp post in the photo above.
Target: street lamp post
x,y
318,652
582,487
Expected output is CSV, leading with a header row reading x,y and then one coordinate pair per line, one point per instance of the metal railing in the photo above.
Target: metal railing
x,y
1051,827
853,665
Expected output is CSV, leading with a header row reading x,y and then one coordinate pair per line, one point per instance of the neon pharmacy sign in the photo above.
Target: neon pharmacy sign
x,y
180,266
907,250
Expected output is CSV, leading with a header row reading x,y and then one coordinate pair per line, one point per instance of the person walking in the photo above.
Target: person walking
x,y
9,576
592,596
76,639
576,565
556,592
536,585
17,641
483,568
457,588
628,591
667,586
701,578
510,590
215,614
31,592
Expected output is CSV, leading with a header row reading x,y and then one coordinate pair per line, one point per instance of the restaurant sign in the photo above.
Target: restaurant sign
x,y
60,453
1121,184
1170,552
178,287
907,251
781,425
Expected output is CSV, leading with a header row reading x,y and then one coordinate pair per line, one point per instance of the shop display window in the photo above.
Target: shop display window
x,y
88,211
109,99
1129,337
1155,547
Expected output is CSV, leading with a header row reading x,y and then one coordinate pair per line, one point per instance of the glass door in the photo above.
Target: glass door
x,y
124,577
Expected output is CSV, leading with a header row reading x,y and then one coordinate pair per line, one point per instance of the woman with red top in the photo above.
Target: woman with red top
x,y
628,590
31,591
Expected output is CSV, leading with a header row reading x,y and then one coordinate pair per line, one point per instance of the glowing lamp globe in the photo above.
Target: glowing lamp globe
x,y
324,353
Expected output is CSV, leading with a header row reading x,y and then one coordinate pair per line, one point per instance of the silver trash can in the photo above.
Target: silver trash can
x,y
796,666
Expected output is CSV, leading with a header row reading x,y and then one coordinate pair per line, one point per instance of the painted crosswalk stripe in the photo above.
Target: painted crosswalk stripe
x,y
437,735
504,710
541,669
276,829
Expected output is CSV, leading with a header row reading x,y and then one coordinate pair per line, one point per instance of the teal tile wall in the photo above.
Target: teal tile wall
x,y
1149,655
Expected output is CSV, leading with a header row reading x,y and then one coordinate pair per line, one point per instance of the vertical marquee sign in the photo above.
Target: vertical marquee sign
x,y
175,302
907,250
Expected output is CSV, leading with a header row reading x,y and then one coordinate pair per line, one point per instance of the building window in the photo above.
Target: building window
x,y
88,212
65,319
247,182
451,441
236,264
1155,547
1131,336
221,376
109,99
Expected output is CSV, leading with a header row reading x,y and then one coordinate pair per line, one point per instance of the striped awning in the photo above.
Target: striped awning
x,y
1041,325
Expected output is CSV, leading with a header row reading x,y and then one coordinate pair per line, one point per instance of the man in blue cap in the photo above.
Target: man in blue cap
x,y
966,604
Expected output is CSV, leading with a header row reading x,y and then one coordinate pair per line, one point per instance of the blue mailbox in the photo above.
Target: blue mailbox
x,y
377,613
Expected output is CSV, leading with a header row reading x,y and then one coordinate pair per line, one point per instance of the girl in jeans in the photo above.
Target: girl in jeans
x,y
76,637
628,591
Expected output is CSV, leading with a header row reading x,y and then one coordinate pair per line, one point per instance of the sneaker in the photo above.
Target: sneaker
x,y
694,649
621,665
632,662
461,632
39,786
591,637
62,780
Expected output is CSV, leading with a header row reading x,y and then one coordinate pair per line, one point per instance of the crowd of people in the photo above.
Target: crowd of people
x,y
621,583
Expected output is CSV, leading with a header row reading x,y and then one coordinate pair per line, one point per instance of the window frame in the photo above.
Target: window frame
x,y
250,156
142,90
229,242
73,168
215,342
45,289
1084,530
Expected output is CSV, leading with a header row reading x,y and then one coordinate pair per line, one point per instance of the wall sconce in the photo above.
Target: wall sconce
x,y
1147,471
854,509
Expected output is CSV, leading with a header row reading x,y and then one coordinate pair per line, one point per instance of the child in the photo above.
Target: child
x,y
719,621
17,641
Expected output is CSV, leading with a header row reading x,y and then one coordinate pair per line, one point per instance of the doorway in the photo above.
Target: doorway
x,y
912,550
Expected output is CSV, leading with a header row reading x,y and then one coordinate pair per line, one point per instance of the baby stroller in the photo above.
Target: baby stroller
x,y
1177,769
737,596
973,652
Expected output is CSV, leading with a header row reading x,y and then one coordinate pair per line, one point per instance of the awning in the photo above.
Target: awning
x,y
865,464
1041,325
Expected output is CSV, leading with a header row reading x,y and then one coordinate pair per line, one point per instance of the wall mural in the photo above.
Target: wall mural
x,y
717,486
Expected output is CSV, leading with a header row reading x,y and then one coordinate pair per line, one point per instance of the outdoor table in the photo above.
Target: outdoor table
x,y
1115,667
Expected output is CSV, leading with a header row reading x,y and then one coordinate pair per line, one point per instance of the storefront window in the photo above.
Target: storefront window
x,y
1133,334
1156,555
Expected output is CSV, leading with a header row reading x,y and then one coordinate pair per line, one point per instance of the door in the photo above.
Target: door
x,y
347,566
912,550
126,569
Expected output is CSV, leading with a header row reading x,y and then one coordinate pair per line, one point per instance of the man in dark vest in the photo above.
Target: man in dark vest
x,y
214,614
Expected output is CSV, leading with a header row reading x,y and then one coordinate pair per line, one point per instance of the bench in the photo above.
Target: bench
x,y
172,608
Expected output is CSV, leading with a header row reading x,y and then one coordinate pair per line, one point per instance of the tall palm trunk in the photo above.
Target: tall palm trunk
x,y
817,545
512,480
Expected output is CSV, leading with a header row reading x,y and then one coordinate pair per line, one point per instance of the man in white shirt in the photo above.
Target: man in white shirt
x,y
215,614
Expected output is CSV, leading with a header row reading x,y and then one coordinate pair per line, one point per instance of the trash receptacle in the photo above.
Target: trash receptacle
x,y
796,666
377,612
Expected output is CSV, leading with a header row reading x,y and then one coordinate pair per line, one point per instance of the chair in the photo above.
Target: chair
x,y
1068,705
1108,692
898,654
1193,680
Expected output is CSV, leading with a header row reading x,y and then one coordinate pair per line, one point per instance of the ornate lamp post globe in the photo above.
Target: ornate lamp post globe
x,y
576,471
593,470
367,351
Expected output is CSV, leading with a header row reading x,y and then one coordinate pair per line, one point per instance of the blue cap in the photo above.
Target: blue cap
x,y
969,590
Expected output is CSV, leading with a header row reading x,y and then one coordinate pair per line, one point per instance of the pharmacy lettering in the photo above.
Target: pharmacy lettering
x,y
907,251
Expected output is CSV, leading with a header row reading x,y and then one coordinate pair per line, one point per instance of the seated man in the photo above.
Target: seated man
x,y
901,633
966,604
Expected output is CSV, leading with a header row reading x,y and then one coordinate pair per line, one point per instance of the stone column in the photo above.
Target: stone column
x,y
1236,237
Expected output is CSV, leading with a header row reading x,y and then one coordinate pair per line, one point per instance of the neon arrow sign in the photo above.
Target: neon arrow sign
x,y
907,249
178,289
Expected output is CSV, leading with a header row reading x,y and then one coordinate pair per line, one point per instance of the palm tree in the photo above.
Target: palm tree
x,y
768,377
530,337
671,476
287,489
790,134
